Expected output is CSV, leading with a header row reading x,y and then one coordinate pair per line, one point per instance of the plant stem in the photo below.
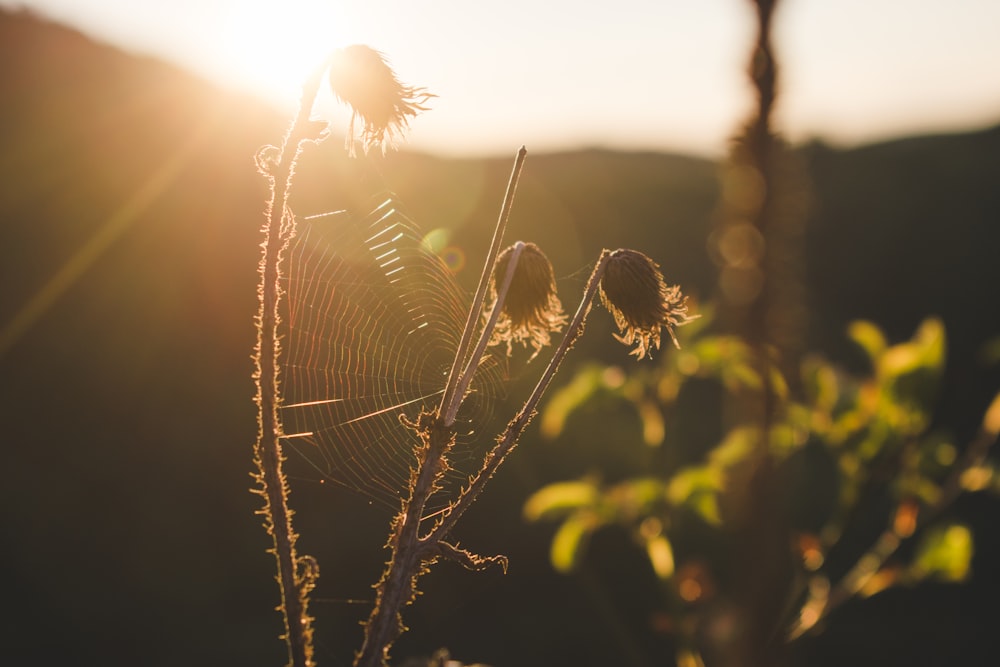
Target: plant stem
x,y
508,439
398,585
293,585
475,312
451,410
869,564
411,554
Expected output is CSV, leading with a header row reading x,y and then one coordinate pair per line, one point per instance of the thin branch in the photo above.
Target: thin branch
x,y
451,410
476,311
890,540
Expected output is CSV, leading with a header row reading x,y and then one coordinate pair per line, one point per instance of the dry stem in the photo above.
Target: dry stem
x,y
296,576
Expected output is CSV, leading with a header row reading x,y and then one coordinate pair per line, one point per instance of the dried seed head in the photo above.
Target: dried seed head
x,y
361,77
532,309
633,290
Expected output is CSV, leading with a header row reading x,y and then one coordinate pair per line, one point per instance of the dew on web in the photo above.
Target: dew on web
x,y
370,322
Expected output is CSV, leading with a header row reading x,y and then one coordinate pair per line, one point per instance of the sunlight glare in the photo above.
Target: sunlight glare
x,y
272,48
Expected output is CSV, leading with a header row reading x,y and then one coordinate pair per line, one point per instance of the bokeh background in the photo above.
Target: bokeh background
x,y
129,230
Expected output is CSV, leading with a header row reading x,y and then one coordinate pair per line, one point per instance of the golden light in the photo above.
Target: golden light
x,y
273,47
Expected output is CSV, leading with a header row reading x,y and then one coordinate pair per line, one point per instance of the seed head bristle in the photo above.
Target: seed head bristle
x,y
635,293
361,77
531,310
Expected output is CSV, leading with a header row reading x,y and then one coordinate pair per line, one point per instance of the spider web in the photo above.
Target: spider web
x,y
371,322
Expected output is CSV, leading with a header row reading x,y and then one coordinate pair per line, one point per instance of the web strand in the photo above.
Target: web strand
x,y
371,323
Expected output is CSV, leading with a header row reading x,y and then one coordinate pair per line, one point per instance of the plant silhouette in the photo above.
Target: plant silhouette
x,y
522,307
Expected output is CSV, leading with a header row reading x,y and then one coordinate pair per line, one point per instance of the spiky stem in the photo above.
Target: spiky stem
x,y
398,585
296,576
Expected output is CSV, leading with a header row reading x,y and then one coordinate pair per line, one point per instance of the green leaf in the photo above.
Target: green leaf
x,y
661,556
925,350
570,541
910,372
559,499
869,337
587,382
697,489
821,385
735,447
945,554
634,498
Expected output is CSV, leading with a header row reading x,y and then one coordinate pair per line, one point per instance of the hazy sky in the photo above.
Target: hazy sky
x,y
658,74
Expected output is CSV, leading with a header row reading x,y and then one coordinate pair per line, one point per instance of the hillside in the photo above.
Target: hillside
x,y
129,232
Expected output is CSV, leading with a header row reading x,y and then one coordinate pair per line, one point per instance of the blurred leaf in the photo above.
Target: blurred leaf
x,y
559,499
697,489
869,337
778,383
735,447
706,505
820,383
910,374
661,555
880,581
991,420
729,359
653,428
688,658
978,478
926,348
586,382
945,553
687,482
636,497
570,540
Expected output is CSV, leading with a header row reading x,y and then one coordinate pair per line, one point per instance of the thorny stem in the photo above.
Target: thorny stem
x,y
411,553
484,338
475,312
296,576
508,439
397,588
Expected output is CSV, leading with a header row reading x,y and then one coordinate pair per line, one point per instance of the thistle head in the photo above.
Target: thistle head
x,y
633,290
361,77
531,310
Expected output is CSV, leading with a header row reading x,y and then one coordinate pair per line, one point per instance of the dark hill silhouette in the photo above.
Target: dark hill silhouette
x,y
126,417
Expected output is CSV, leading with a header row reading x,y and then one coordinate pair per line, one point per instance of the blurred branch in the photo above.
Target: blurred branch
x,y
825,599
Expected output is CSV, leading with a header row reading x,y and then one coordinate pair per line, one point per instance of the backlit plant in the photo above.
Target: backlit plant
x,y
523,307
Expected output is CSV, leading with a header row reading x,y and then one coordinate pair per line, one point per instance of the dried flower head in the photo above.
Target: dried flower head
x,y
361,77
633,290
531,310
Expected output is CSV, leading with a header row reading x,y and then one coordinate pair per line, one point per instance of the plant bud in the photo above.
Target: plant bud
x,y
633,290
361,77
531,310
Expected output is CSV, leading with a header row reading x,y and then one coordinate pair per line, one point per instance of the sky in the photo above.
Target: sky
x,y
627,74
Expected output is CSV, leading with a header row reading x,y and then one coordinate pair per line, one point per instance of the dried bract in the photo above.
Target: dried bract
x,y
361,77
633,290
531,310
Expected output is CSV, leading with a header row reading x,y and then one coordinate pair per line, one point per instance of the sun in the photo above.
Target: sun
x,y
271,48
